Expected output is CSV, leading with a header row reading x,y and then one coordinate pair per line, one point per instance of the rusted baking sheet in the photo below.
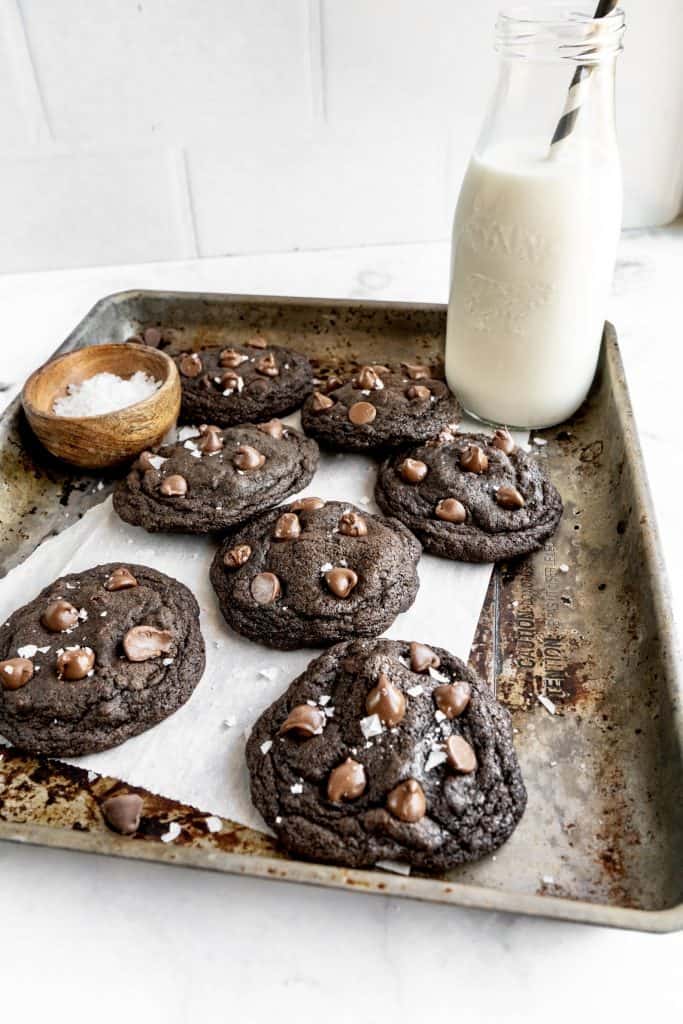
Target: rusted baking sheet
x,y
577,641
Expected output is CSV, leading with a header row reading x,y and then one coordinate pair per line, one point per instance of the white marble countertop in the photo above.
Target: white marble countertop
x,y
93,938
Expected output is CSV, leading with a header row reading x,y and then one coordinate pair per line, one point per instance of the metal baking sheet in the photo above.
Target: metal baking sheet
x,y
585,623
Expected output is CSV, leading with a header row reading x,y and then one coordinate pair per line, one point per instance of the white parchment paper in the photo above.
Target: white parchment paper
x,y
197,755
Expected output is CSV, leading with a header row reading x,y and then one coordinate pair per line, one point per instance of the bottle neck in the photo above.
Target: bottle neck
x,y
554,62
530,99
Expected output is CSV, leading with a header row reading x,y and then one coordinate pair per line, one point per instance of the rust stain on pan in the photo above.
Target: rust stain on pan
x,y
40,790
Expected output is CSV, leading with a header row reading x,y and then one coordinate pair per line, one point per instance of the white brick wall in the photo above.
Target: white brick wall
x,y
159,129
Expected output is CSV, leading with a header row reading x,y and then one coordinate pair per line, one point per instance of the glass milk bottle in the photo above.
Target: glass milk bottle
x,y
537,221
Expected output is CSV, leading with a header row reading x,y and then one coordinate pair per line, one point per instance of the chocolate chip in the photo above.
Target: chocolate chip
x,y
231,359
407,801
265,588
237,556
368,379
123,813
268,366
15,673
59,615
120,579
453,698
141,643
461,757
387,701
211,439
257,342
474,459
503,440
353,525
412,471
332,383
320,402
246,458
76,663
174,486
258,387
509,497
152,337
416,372
304,721
307,504
230,381
418,393
451,511
361,413
287,527
347,781
191,364
341,581
422,658
206,384
274,428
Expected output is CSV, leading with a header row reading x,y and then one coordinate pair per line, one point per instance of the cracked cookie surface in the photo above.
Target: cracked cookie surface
x,y
311,573
469,500
130,653
225,477
233,384
380,408
421,785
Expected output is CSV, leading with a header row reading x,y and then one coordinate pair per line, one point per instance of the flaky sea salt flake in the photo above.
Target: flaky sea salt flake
x,y
370,726
174,831
546,702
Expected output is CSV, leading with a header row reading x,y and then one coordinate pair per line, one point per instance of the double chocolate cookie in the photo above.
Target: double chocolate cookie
x,y
217,478
313,572
471,497
242,383
97,657
380,408
385,750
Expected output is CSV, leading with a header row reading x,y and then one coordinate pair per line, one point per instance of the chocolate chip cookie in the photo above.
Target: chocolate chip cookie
x,y
385,750
313,572
242,383
471,497
97,657
217,478
382,407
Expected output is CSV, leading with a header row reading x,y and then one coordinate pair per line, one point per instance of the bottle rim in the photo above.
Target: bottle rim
x,y
558,31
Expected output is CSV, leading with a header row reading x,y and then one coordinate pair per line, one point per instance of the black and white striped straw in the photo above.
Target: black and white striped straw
x,y
579,86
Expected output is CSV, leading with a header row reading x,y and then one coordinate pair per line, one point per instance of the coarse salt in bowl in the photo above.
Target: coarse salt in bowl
x,y
105,392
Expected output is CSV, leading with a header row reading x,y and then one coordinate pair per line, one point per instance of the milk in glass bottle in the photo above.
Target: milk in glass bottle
x,y
537,221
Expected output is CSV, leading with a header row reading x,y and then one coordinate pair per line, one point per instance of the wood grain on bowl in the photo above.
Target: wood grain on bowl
x,y
112,437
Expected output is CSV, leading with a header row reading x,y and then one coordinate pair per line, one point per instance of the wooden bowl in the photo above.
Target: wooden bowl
x,y
111,437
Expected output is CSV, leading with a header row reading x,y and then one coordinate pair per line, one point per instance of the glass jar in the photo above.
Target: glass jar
x,y
537,222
